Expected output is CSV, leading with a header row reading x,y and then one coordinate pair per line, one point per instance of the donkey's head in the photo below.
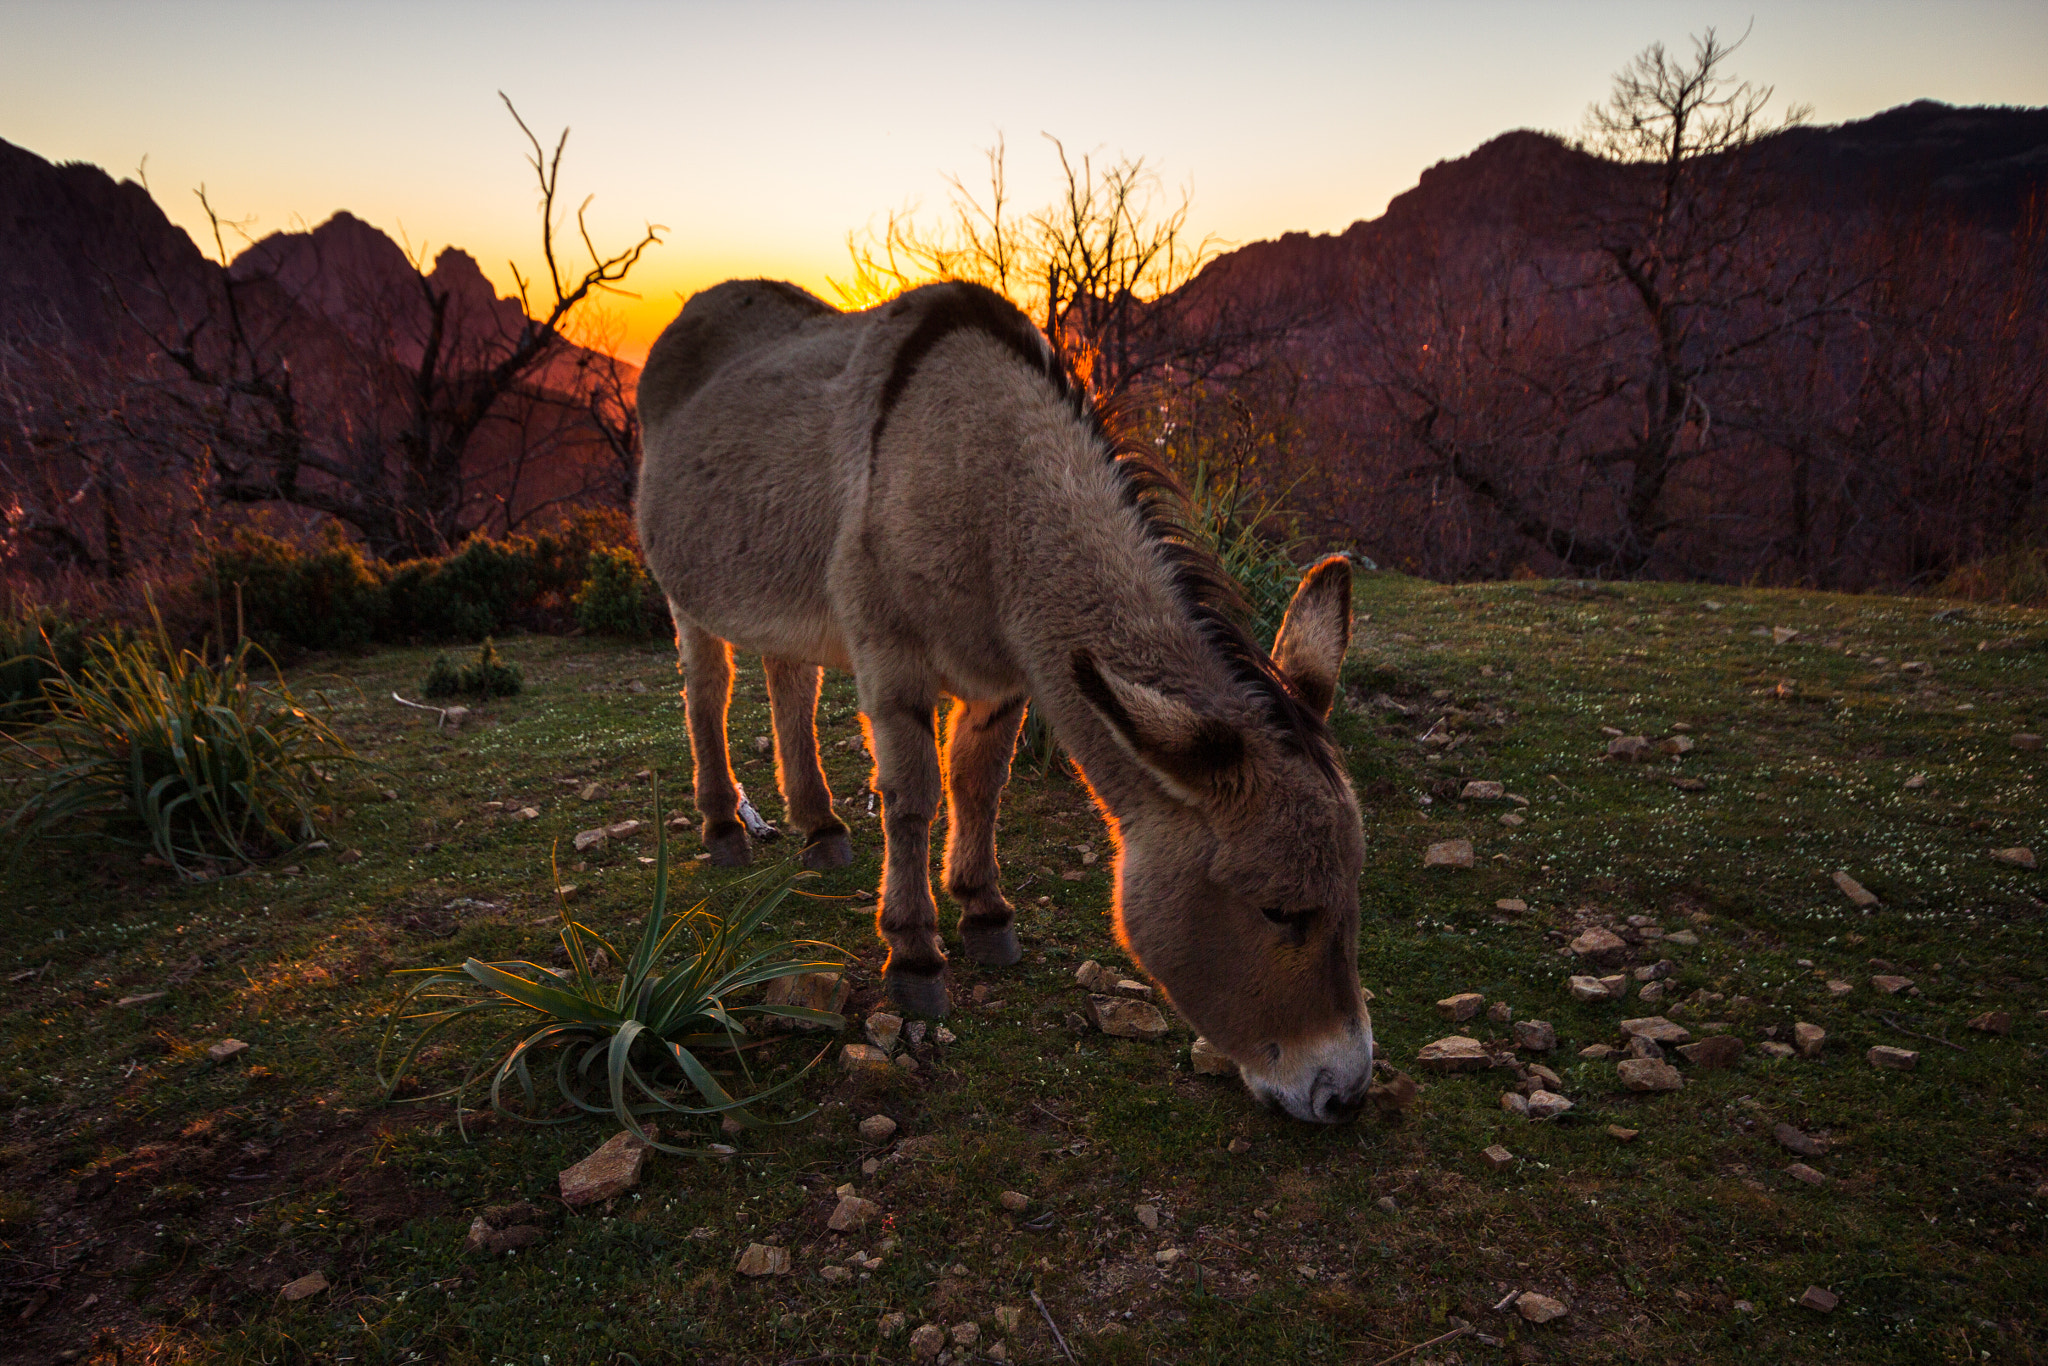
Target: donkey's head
x,y
1237,880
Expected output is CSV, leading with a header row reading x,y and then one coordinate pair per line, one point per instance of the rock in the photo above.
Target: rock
x,y
1137,991
305,1286
1657,1028
1854,890
1990,1022
943,1036
1675,745
1629,748
1536,1036
1783,635
1513,905
914,1032
1773,1049
1008,1317
1689,784
1448,854
966,1334
1388,1204
512,1239
906,1063
1125,1018
1460,1008
1455,1053
609,1172
1500,1012
1014,1201
1238,1146
146,998
1513,819
1651,994
1396,1093
1641,1046
235,1048
1598,1052
1148,1215
1483,790
927,1341
1891,986
1497,1157
1166,1256
1685,939
851,1213
1916,782
1600,946
826,991
889,1325
589,839
1818,1299
884,1029
623,830
1538,1308
1838,988
2017,858
1893,1059
593,792
1657,971
762,1260
1546,1078
1515,1103
835,1275
1211,1061
877,1129
1809,1039
856,1057
479,1238
1621,1135
1799,1171
1648,1074
1096,977
679,823
2026,740
1712,1055
524,813
1591,989
1547,1105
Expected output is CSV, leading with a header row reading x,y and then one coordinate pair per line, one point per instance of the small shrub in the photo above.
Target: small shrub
x,y
443,679
37,645
615,596
205,762
488,675
628,1051
2018,577
329,598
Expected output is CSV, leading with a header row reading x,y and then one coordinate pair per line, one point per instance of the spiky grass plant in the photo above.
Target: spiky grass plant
x,y
203,762
631,1049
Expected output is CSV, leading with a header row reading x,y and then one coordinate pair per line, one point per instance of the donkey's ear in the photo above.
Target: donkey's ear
x,y
1188,753
1312,641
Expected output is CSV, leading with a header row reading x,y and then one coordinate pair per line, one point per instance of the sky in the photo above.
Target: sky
x,y
760,135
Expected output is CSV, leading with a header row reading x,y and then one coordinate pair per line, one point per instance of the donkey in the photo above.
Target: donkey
x,y
922,494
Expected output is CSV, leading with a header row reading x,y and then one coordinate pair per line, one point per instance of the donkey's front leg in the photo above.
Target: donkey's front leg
x,y
907,770
793,695
980,738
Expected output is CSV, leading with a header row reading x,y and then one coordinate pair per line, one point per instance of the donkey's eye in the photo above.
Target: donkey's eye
x,y
1293,920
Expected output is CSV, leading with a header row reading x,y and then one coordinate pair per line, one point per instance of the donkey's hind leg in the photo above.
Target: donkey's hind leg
x,y
906,753
793,697
707,687
980,738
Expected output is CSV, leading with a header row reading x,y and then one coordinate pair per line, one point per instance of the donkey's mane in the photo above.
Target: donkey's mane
x,y
1214,604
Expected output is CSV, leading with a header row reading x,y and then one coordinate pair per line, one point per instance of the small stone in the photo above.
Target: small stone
x,y
966,1334
1651,994
1621,1135
1893,1059
1992,1022
1916,666
589,839
1647,1074
1457,1053
1818,1299
524,813
593,792
1712,1055
1008,1317
1014,1201
1916,782
1096,977
1500,1012
1148,1215
1396,1093
2026,740
1166,1256
1857,893
679,822
856,1056
609,1172
623,830
146,998
943,1036
1448,854
914,1032
884,1029
835,1275
1628,748
1685,939
1675,745
1461,1007
1539,1308
1483,790
1598,1052
851,1213
1642,1046
1497,1157
1547,1105
927,1341
1239,1146
1809,1038
1545,1078
904,1062
1126,1019
305,1286
1512,905
1211,1061
877,1129
1137,991
1799,1171
1774,1049
1536,1036
1600,946
1891,986
826,991
1515,1103
2016,857
235,1048
1388,1204
1590,989
1658,1028
1513,819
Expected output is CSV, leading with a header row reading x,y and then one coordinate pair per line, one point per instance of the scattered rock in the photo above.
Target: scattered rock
x,y
1456,1053
593,792
927,1341
1396,1093
1799,1171
146,998
589,839
1916,782
851,1213
1148,1215
1014,1201
1809,1038
1783,635
1448,854
1658,1029
1628,748
1137,991
2026,740
1547,1105
1651,994
1513,819
1891,986
524,813
1483,790
679,823
889,1325
762,1260
1599,1052
235,1048
1675,745
1497,1157
1211,1061
1597,989
1500,1012
1648,1074
966,1334
1600,946
856,1056
1515,1103
1685,939
609,1172
914,1032
1992,1022
1539,1308
1512,905
2017,857
1818,1299
1838,988
1536,1036
1773,1049
835,1275
826,991
1125,1018
1894,1059
1712,1055
1460,1008
1641,1046
884,1029
1008,1317
1621,1135
1238,1146
305,1286
1794,1141
623,830
877,1129
943,1036
1096,977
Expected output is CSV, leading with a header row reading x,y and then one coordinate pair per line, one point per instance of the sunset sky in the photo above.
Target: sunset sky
x,y
761,134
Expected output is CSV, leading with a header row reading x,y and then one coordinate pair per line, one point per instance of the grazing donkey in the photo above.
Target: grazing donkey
x,y
920,493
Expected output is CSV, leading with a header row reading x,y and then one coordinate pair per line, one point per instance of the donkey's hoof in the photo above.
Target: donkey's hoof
x,y
918,994
828,851
727,841
990,946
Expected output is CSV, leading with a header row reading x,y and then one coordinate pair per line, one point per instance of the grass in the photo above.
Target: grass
x,y
153,1202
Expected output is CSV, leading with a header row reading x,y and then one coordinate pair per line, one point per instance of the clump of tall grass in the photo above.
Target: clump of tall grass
x,y
487,676
2018,576
630,1049
148,744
